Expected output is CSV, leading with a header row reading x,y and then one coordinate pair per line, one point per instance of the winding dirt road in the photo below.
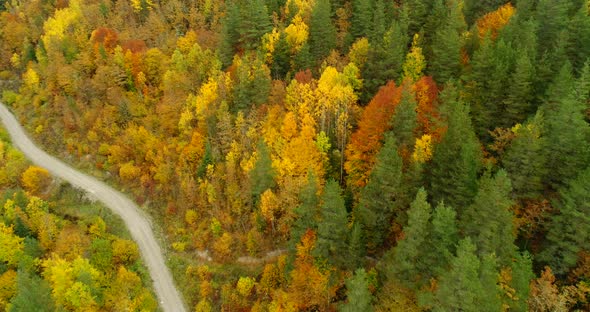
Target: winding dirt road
x,y
137,223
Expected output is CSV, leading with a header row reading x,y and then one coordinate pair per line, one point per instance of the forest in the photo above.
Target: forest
x,y
302,155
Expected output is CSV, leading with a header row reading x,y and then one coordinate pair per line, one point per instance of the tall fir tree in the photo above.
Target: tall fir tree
x,y
567,139
358,296
524,159
522,274
262,175
569,228
385,61
443,240
333,228
518,103
322,33
459,288
407,261
306,212
457,158
446,45
362,19
488,221
403,123
378,200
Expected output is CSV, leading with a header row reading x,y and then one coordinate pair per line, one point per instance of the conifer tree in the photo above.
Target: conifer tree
x,y
488,221
456,160
519,97
377,204
322,33
459,288
446,46
564,240
408,259
385,61
358,295
333,228
567,140
306,211
362,18
524,159
443,240
403,123
262,175
522,275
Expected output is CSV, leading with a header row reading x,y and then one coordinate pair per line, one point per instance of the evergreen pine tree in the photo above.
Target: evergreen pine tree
x,y
456,159
488,221
281,59
569,229
403,123
522,275
322,33
519,97
488,276
362,19
377,204
333,228
385,61
524,159
408,260
306,211
262,175
358,295
32,294
443,240
459,288
567,143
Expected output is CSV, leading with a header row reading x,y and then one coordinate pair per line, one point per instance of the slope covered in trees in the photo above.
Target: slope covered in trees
x,y
430,155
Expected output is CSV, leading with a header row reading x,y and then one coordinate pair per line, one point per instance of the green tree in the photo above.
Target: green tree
x,y
565,241
488,221
262,175
578,48
459,288
443,240
567,134
446,47
524,159
522,275
322,33
520,93
378,200
253,83
306,212
32,294
403,123
358,295
408,260
385,60
362,19
457,159
333,228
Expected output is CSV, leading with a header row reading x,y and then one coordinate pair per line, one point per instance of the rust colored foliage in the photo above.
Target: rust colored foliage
x,y
375,121
304,76
105,37
367,140
427,111
134,45
494,21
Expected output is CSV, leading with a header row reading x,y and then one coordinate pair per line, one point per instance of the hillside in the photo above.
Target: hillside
x,y
323,155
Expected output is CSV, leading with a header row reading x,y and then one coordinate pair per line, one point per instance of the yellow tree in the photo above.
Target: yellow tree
x,y
35,179
11,245
415,62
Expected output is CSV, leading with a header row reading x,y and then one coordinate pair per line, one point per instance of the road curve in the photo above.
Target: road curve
x,y
138,225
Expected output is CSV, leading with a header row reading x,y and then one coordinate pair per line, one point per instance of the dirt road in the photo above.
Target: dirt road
x,y
136,221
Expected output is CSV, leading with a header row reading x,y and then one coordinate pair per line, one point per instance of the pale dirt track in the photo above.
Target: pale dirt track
x,y
137,223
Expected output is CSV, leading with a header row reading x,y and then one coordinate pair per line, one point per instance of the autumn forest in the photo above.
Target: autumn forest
x,y
301,155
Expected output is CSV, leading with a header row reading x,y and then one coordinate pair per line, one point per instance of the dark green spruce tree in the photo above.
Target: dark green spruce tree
x,y
333,227
407,262
378,200
569,228
457,159
322,33
306,212
567,134
488,221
